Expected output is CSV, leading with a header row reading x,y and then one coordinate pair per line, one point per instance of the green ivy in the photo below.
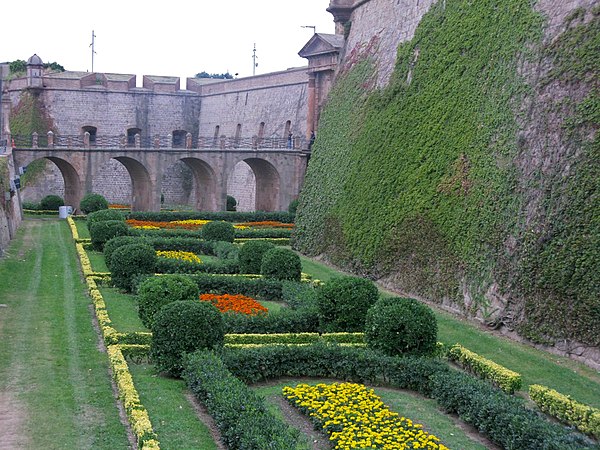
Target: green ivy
x,y
418,183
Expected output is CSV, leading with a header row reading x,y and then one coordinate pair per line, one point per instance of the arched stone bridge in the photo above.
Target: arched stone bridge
x,y
278,170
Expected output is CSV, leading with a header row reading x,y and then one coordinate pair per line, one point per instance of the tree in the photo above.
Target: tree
x,y
224,76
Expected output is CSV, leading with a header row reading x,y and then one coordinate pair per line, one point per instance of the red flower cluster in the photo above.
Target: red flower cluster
x,y
236,303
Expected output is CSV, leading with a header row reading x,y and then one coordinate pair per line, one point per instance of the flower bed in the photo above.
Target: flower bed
x,y
354,417
235,303
179,254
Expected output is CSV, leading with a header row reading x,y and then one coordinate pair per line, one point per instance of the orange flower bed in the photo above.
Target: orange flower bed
x,y
267,224
236,303
118,206
169,225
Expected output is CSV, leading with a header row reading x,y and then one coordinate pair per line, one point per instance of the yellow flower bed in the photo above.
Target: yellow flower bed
x,y
356,418
179,254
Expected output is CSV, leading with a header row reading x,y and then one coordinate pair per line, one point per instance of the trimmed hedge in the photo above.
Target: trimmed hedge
x,y
285,320
504,418
293,338
343,303
131,260
104,214
171,265
51,203
102,231
584,417
282,264
229,216
183,327
505,379
398,326
262,288
241,415
156,292
251,255
92,202
114,243
218,231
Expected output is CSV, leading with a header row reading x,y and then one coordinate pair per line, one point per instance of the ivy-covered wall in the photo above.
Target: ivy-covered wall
x,y
446,185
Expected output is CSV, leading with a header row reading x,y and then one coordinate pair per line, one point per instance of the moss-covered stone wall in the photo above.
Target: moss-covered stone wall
x,y
471,179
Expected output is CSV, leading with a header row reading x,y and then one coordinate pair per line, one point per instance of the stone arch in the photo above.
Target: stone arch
x,y
267,184
71,188
110,181
204,191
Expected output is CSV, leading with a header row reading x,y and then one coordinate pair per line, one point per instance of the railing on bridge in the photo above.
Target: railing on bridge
x,y
90,141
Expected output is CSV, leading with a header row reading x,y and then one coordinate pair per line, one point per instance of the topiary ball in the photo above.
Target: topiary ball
x,y
281,264
101,232
102,215
118,241
130,260
158,291
51,203
343,303
251,255
183,327
92,202
401,326
218,231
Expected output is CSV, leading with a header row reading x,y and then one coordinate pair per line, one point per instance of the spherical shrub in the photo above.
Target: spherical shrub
x,y
102,215
92,202
231,203
281,264
218,231
184,327
158,291
130,260
51,203
401,326
100,232
118,241
251,255
343,303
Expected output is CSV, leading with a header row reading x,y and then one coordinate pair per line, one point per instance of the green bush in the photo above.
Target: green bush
x,y
251,255
265,289
33,206
102,215
231,203
343,303
118,241
401,326
101,232
218,231
51,203
131,260
156,292
243,419
281,264
92,202
183,327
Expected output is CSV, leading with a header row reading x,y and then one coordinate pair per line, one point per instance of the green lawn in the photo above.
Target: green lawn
x,y
55,390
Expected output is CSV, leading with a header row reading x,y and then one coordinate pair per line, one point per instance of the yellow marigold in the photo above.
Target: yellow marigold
x,y
179,254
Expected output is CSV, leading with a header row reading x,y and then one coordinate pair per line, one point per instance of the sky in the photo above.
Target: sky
x,y
169,38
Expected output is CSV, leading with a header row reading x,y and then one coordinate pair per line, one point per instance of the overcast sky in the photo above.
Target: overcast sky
x,y
173,37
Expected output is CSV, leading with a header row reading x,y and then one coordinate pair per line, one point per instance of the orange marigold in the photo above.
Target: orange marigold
x,y
236,303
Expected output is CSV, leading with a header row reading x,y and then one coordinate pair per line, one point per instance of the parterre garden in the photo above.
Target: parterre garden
x,y
214,303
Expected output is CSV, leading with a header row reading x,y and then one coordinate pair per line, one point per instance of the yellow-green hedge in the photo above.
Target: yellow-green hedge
x,y
584,417
505,379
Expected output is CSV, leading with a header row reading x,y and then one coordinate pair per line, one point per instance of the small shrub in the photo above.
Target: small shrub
x,y
218,231
401,326
183,327
33,206
118,241
281,264
231,203
51,202
102,215
251,255
101,232
343,303
130,260
156,292
92,202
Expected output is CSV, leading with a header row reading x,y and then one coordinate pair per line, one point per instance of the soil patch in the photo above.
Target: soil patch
x,y
12,418
206,419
